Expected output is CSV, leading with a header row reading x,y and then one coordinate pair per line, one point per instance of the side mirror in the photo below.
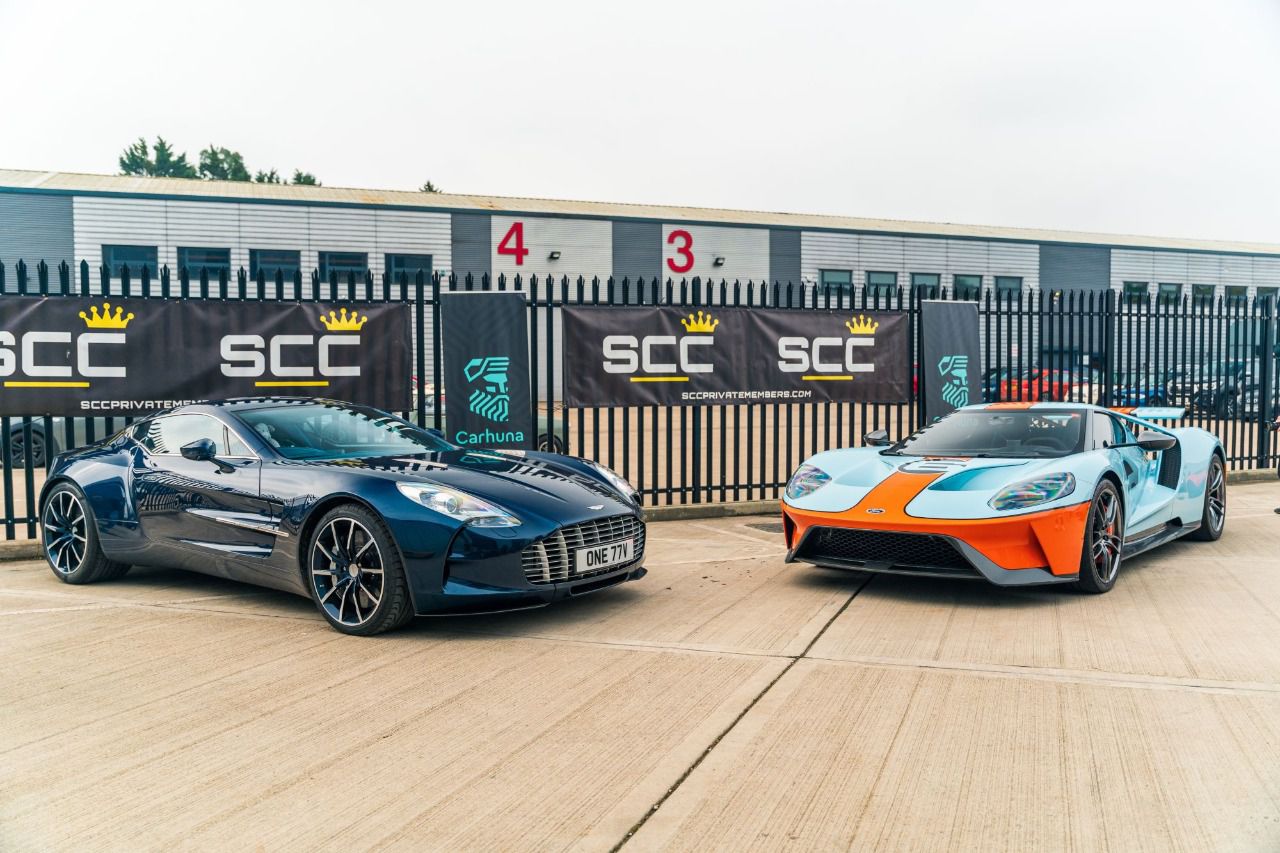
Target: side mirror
x,y
200,450
204,450
879,438
1154,442
435,433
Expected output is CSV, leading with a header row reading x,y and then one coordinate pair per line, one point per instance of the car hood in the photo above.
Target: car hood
x,y
519,483
952,487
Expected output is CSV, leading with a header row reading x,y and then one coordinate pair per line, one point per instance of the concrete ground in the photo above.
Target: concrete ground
x,y
725,702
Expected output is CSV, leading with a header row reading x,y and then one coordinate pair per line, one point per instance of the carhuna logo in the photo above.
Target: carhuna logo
x,y
58,358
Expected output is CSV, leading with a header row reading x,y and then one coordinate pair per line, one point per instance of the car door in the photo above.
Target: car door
x,y
1148,503
199,510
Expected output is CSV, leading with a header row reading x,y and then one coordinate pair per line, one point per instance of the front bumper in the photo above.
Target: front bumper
x,y
484,572
1034,548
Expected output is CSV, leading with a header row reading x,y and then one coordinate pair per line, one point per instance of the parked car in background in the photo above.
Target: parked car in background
x,y
1250,397
45,447
1139,389
993,380
1077,385
1214,388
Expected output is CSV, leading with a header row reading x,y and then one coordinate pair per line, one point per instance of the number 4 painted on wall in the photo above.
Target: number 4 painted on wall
x,y
513,243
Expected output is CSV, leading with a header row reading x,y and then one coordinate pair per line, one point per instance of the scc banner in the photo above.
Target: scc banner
x,y
631,356
486,369
950,353
114,356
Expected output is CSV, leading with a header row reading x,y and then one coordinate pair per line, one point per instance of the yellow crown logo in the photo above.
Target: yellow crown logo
x,y
346,323
861,325
702,323
106,320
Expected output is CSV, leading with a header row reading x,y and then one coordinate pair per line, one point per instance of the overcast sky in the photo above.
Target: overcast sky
x,y
1129,116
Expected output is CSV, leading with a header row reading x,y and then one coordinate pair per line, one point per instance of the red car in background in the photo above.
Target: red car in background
x,y
1038,384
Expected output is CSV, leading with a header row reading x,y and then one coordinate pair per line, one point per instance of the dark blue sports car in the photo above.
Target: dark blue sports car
x,y
372,517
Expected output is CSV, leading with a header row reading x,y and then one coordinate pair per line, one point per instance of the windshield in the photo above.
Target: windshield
x,y
333,431
1042,433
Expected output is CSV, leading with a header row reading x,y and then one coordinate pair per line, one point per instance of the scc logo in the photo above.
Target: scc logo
x,y
829,358
662,358
253,356
22,356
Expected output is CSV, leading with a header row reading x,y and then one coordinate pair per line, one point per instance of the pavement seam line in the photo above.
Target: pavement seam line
x,y
653,809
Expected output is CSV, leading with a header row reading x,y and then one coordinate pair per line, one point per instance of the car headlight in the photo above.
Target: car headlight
x,y
458,505
1032,492
806,480
614,479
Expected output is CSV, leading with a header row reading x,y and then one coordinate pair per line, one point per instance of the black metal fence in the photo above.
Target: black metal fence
x,y
1217,358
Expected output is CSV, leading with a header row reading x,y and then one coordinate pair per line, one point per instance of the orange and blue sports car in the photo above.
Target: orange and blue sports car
x,y
1016,493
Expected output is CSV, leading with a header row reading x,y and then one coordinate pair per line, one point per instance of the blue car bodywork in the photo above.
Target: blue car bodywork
x,y
250,518
1011,519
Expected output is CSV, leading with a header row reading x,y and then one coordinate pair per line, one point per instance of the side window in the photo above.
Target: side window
x,y
167,435
236,447
1121,432
1103,431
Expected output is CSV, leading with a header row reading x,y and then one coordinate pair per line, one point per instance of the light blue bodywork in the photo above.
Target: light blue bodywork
x,y
1157,508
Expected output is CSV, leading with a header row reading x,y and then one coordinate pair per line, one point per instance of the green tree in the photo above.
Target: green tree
x,y
271,177
304,178
429,187
222,164
137,160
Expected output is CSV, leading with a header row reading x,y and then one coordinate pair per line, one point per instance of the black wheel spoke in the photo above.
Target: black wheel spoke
x,y
346,571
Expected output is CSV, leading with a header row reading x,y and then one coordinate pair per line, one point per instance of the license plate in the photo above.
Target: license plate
x,y
603,556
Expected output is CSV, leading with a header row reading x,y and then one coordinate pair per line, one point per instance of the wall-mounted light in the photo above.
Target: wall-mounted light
x,y
719,262
555,256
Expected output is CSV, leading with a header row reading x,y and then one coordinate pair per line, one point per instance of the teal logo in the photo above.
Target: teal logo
x,y
491,400
954,370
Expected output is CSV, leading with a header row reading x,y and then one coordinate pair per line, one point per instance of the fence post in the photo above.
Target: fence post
x,y
1267,381
1108,336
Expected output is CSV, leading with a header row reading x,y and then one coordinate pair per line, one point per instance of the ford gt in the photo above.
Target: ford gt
x,y
370,516
1014,493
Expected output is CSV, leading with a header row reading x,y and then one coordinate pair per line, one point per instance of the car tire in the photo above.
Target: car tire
x,y
1213,519
1103,540
69,539
18,447
354,573
550,443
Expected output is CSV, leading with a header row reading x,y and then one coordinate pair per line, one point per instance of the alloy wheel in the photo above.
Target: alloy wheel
x,y
65,532
347,571
18,449
1217,496
1106,536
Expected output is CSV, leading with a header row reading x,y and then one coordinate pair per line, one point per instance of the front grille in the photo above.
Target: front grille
x,y
552,558
905,551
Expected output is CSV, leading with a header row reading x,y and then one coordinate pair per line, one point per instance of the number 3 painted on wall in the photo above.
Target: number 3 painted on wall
x,y
685,251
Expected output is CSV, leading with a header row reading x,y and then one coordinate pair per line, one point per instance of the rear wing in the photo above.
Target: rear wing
x,y
1152,413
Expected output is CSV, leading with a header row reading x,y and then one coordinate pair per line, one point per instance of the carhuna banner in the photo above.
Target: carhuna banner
x,y
951,355
64,355
635,356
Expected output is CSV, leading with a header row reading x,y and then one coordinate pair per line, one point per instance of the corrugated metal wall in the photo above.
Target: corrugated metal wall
x,y
863,253
240,227
585,247
784,256
1190,268
35,228
637,250
745,252
1075,267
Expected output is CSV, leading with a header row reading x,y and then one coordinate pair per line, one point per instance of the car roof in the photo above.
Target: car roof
x,y
240,404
